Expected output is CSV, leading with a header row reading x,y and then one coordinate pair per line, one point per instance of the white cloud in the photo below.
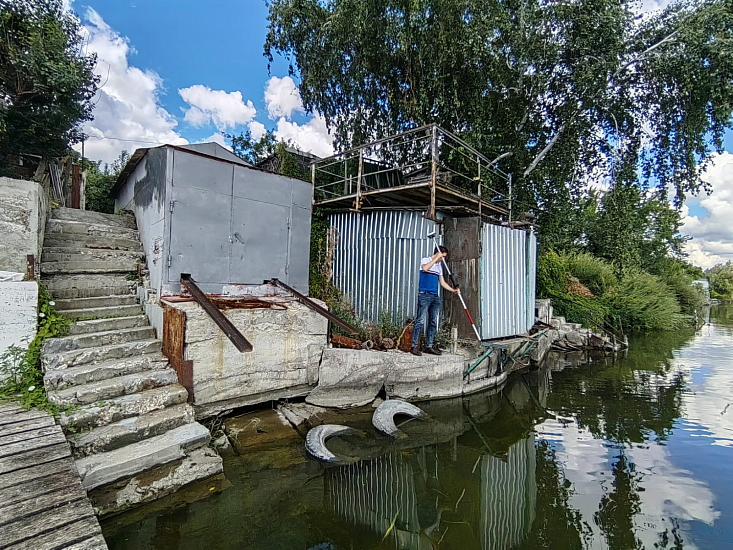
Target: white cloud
x,y
282,97
311,137
128,113
223,109
712,231
257,129
217,138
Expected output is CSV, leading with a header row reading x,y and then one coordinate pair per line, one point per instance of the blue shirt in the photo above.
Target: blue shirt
x,y
430,280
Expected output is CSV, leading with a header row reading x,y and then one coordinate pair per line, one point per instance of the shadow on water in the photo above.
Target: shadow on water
x,y
565,457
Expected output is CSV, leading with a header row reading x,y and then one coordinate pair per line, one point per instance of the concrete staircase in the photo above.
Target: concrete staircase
x,y
131,430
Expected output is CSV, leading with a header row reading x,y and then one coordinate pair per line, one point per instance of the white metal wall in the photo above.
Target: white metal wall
x,y
508,275
377,260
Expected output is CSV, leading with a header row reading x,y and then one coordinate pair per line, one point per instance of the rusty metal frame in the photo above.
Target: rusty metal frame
x,y
315,307
232,332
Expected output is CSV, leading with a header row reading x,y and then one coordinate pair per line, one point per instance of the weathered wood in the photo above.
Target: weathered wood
x,y
26,435
21,416
31,444
38,504
5,407
41,456
27,425
80,535
41,486
39,471
51,520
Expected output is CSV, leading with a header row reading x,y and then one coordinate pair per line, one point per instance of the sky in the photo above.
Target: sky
x,y
184,71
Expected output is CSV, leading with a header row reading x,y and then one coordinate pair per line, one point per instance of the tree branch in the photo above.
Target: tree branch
x,y
544,151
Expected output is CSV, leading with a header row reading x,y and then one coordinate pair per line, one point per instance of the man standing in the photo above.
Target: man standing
x,y
428,299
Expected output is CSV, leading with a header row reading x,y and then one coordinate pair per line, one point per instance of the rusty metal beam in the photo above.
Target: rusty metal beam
x,y
315,307
226,326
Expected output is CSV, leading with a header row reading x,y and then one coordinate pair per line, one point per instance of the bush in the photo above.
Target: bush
x,y
552,276
597,274
644,302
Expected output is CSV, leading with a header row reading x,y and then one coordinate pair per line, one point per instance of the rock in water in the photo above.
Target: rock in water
x,y
383,418
315,441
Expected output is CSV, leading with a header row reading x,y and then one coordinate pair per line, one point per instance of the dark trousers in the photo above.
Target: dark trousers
x,y
427,304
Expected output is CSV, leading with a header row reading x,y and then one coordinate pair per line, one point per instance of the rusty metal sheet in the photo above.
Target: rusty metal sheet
x,y
174,338
462,238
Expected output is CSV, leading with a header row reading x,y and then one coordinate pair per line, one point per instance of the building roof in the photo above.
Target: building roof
x,y
210,150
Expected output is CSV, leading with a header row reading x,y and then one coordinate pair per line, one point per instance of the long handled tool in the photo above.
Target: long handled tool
x,y
453,282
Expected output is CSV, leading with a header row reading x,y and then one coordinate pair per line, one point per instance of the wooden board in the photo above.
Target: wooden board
x,y
43,505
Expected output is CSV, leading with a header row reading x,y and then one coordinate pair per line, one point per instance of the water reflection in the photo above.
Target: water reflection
x,y
614,452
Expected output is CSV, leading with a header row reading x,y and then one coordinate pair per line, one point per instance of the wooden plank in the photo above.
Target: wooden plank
x,y
40,486
22,417
26,425
31,445
5,407
27,435
80,535
52,520
39,471
41,456
37,506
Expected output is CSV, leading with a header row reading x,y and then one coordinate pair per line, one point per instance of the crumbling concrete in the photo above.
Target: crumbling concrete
x,y
351,378
287,341
19,314
23,211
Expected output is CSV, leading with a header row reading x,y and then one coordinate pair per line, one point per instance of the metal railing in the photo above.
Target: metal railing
x,y
427,155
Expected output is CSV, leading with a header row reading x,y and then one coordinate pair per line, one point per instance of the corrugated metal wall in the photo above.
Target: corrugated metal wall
x,y
377,260
509,265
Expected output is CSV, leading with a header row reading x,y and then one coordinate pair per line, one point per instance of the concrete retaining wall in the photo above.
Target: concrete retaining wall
x,y
287,342
23,211
18,314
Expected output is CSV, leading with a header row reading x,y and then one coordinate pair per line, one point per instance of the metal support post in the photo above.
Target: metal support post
x,y
358,179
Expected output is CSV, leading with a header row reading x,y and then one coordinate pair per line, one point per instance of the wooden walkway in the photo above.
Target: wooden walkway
x,y
42,503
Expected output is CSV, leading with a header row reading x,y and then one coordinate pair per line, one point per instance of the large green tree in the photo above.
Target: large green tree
x,y
47,81
565,93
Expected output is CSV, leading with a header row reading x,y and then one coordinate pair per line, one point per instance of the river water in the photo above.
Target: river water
x,y
632,451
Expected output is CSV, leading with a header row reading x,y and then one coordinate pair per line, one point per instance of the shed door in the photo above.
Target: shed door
x,y
200,220
259,241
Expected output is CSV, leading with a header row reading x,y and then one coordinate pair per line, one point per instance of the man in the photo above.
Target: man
x,y
428,299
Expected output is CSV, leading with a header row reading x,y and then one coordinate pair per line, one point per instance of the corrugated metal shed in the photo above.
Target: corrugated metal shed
x,y
377,258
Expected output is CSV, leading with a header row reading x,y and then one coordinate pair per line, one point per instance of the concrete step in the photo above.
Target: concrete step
x,y
118,265
59,379
97,339
104,325
90,241
125,219
90,229
125,406
76,254
103,390
100,312
104,468
131,430
66,286
76,357
96,301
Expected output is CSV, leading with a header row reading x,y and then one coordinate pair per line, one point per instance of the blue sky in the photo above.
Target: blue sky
x,y
182,71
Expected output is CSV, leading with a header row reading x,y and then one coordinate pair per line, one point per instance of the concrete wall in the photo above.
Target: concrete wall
x,y
144,193
23,211
287,342
18,314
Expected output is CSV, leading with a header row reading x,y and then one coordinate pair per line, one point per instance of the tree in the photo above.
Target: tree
x,y
100,181
251,150
47,82
567,91
721,279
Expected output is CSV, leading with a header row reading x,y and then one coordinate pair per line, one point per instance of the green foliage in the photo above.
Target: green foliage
x,y
597,274
24,381
251,150
552,275
568,89
100,182
47,82
644,302
721,280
